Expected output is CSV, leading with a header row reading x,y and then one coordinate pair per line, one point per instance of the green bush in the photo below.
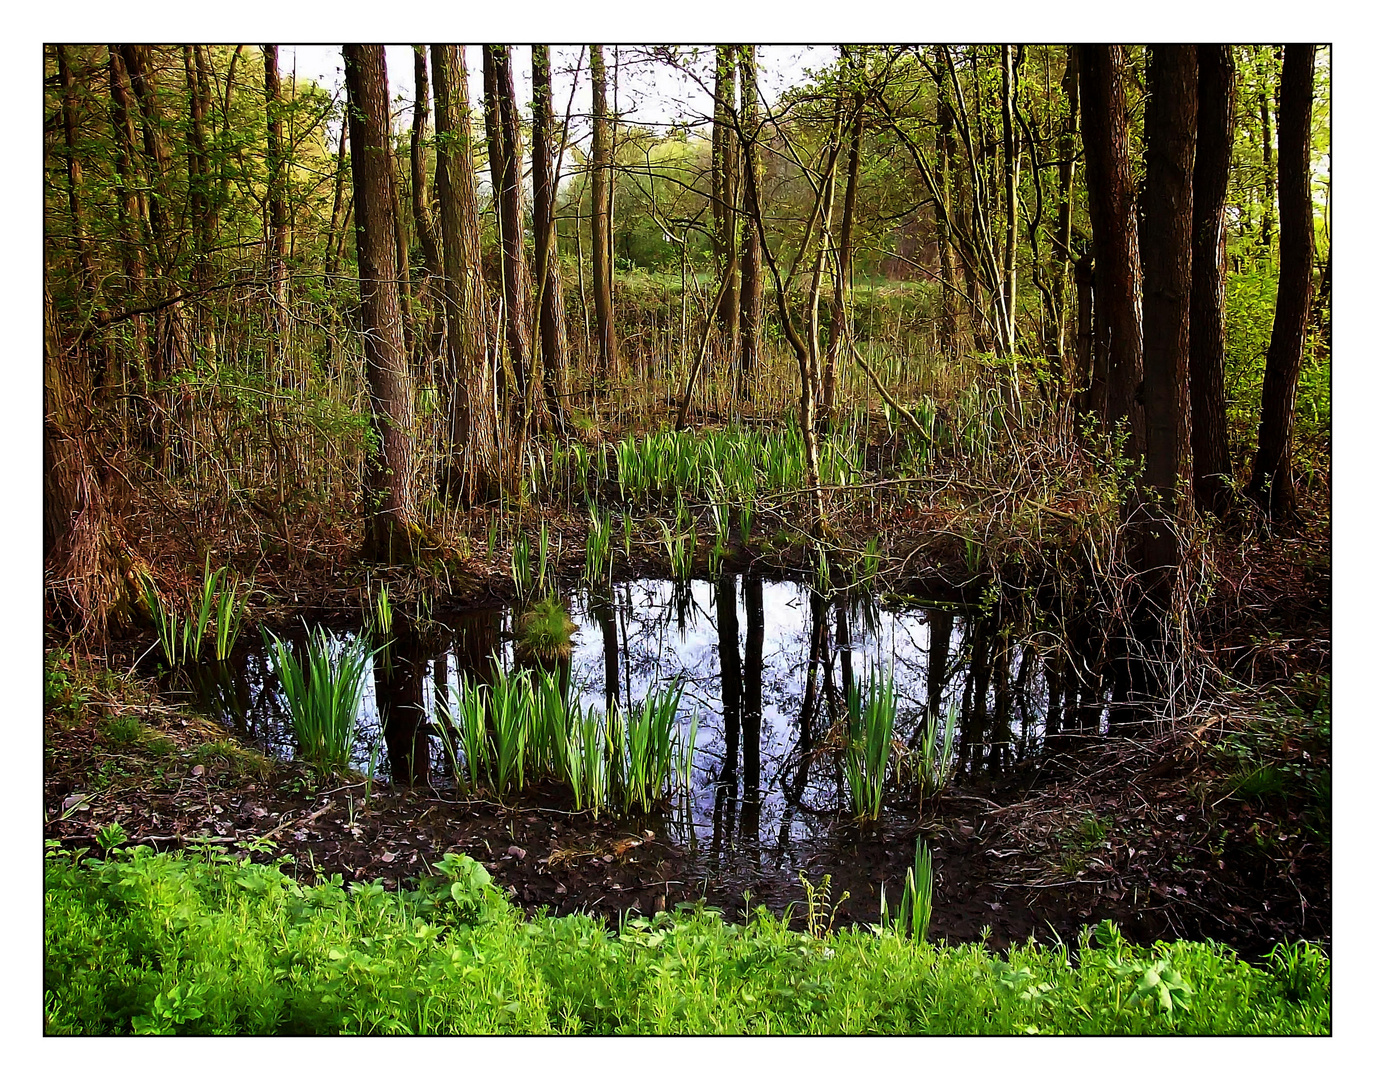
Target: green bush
x,y
149,943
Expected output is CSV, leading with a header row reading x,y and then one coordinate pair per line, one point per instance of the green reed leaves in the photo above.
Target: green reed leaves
x,y
323,693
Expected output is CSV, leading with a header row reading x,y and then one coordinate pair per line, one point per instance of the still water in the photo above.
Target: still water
x,y
764,667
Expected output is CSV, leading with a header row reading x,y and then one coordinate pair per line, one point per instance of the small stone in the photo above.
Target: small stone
x,y
516,852
388,856
199,770
608,858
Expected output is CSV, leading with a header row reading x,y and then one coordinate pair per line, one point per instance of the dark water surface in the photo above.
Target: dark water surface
x,y
764,666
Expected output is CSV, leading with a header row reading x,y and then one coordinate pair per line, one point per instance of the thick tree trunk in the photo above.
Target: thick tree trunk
x,y
1208,293
724,154
1117,260
553,347
1272,481
389,505
467,375
601,219
751,243
1166,253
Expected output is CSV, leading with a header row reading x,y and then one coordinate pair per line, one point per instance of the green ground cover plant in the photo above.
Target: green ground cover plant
x,y
203,942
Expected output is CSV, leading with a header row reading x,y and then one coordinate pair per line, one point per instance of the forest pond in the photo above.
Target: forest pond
x,y
764,667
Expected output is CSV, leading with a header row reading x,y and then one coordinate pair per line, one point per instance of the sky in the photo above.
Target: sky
x,y
650,92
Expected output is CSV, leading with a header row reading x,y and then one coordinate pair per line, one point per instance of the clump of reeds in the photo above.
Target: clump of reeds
x,y
181,635
872,705
524,728
323,694
913,917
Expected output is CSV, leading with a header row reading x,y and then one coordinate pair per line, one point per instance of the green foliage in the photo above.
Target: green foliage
x,y
914,910
872,704
324,693
220,604
545,632
208,944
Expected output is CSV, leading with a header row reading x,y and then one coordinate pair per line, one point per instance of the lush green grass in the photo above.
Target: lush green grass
x,y
147,942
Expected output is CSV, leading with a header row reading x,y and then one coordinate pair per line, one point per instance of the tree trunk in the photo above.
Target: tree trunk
x,y
503,138
1272,481
724,153
751,256
601,219
844,261
198,181
1064,256
1117,260
467,374
133,221
389,505
424,219
1012,169
1166,255
81,239
1208,293
945,134
553,348
276,219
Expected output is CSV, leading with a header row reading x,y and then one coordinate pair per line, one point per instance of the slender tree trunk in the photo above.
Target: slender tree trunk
x,y
468,376
1117,260
81,239
1012,168
751,256
276,219
1267,158
1208,293
1272,481
1064,256
391,529
1166,255
505,155
724,154
844,262
601,219
169,346
198,182
134,238
553,347
945,133
424,219
334,242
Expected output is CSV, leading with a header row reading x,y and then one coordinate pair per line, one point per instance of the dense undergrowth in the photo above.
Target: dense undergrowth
x,y
151,943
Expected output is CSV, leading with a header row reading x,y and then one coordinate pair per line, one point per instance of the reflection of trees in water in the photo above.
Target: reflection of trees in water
x,y
399,680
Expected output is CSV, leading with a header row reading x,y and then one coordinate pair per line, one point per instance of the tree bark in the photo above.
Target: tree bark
x,y
276,218
601,220
724,153
1272,481
1012,169
751,255
1166,252
424,219
1064,255
1117,260
844,260
553,347
388,498
467,374
505,154
1208,293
